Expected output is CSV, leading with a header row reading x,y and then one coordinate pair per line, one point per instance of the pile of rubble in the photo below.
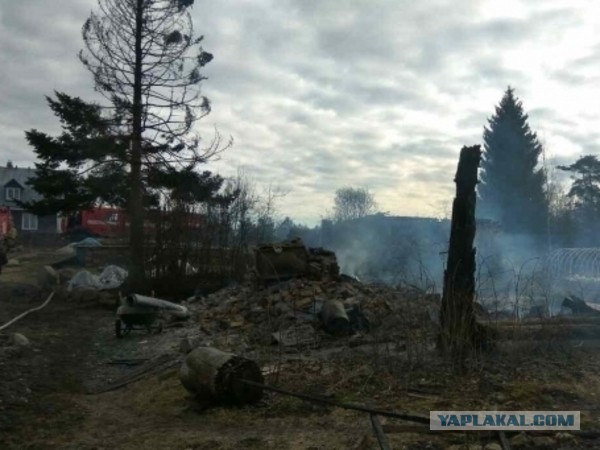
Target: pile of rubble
x,y
311,299
295,295
300,299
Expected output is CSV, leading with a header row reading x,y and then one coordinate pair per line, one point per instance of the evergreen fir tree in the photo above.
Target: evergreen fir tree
x,y
512,188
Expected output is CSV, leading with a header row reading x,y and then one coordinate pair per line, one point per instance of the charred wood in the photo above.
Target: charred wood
x,y
460,334
213,376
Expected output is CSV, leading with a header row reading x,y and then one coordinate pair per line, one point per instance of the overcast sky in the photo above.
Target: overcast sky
x,y
322,94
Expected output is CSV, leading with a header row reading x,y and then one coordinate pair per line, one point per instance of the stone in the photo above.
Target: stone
x,y
13,262
189,343
20,340
492,446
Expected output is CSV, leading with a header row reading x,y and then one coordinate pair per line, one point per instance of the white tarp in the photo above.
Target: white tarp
x,y
110,278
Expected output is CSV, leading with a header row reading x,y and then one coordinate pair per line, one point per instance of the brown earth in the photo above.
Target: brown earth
x,y
44,402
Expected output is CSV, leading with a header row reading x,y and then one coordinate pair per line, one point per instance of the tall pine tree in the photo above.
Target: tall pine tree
x,y
512,190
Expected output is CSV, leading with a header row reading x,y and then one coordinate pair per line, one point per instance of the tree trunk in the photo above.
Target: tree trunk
x,y
458,334
136,208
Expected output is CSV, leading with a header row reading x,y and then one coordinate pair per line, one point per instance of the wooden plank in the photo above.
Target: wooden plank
x,y
378,429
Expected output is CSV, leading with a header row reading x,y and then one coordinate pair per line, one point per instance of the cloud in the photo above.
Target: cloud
x,y
321,95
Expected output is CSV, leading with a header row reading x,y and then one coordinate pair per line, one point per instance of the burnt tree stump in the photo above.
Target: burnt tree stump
x,y
213,377
459,332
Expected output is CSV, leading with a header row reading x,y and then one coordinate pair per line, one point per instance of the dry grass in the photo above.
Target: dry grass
x,y
28,266
156,412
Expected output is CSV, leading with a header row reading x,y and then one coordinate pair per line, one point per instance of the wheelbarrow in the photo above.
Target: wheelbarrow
x,y
138,312
132,315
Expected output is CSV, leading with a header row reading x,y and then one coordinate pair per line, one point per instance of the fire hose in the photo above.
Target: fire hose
x,y
20,316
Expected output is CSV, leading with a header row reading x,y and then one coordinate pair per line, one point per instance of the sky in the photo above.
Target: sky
x,y
323,94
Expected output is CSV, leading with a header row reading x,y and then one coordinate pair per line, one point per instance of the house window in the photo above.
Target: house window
x,y
13,193
113,218
29,221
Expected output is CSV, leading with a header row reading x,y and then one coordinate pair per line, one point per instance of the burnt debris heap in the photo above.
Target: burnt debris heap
x,y
458,328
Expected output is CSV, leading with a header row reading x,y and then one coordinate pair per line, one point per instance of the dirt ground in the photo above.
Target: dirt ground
x,y
45,404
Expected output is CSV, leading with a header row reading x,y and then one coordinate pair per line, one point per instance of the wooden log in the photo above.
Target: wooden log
x,y
214,376
334,318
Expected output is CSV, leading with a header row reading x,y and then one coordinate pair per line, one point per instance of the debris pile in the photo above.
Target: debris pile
x,y
339,306
296,297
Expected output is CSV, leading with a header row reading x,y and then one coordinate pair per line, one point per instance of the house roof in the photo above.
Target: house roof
x,y
14,183
19,175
